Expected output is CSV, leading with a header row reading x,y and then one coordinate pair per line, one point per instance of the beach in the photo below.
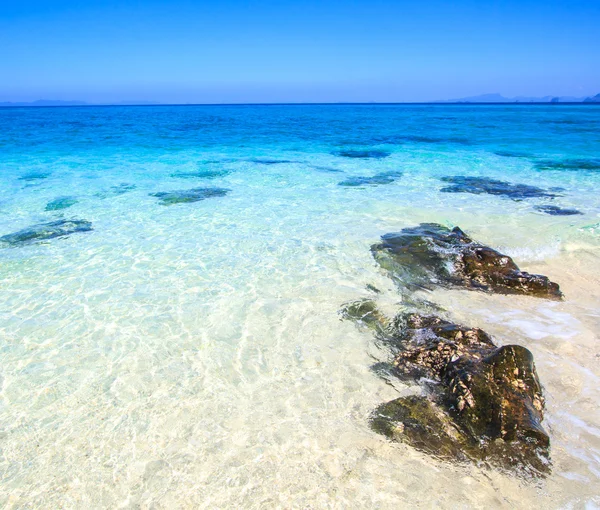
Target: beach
x,y
189,352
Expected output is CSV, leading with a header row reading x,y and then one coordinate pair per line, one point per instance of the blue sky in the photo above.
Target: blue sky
x,y
296,51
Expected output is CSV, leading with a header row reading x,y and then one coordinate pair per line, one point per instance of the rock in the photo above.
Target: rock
x,y
45,231
189,195
363,154
365,311
61,203
431,254
201,174
554,210
485,402
381,178
419,423
479,185
34,176
592,164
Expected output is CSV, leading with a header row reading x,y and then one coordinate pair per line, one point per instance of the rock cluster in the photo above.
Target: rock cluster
x,y
479,402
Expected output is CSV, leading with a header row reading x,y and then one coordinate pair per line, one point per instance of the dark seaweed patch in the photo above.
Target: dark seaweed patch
x,y
34,176
201,174
189,195
512,154
382,178
554,210
261,161
569,164
480,185
61,203
366,154
45,231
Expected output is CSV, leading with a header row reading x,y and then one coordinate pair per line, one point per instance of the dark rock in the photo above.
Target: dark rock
x,y
365,311
381,178
479,185
363,154
45,231
189,195
433,254
201,174
61,203
569,164
35,176
372,288
485,402
419,423
554,210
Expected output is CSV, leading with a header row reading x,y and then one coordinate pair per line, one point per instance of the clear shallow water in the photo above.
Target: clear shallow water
x,y
192,355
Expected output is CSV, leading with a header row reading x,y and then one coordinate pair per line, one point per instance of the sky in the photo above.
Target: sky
x,y
236,51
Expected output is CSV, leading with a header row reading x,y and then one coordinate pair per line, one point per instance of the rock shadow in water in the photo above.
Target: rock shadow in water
x,y
45,231
480,185
189,195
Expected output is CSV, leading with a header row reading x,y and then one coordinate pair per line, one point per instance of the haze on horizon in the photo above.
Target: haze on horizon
x,y
236,51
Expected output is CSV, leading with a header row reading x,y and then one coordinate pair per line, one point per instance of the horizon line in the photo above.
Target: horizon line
x,y
371,103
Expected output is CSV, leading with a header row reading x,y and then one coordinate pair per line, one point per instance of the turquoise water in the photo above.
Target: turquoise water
x,y
191,355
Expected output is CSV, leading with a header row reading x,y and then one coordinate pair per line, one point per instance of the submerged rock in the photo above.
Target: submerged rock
x,y
363,154
381,178
365,311
433,254
34,176
189,195
46,231
592,164
484,403
61,203
479,185
554,210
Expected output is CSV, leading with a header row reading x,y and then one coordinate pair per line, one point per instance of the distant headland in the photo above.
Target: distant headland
x,y
498,98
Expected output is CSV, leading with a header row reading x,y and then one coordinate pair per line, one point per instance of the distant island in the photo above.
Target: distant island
x,y
498,98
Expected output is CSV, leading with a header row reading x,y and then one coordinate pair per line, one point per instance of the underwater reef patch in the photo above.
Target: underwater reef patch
x,y
44,231
481,185
189,195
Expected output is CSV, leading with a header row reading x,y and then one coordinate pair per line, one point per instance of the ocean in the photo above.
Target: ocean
x,y
184,348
